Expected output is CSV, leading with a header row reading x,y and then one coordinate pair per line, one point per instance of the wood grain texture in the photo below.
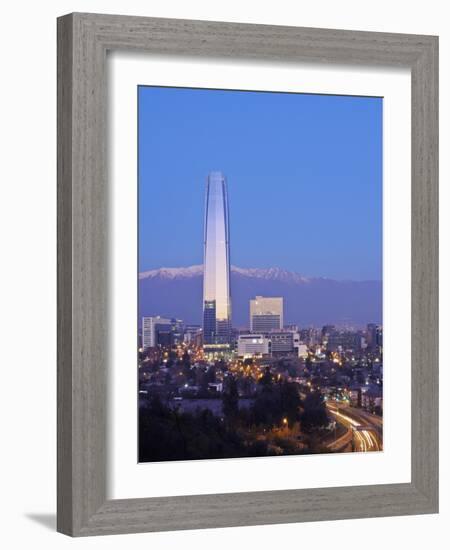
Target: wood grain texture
x,y
425,250
83,40
64,251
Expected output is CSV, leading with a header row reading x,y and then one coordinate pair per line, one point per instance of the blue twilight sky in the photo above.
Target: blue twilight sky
x,y
304,179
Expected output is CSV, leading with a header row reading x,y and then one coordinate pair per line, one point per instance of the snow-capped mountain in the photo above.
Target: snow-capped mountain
x,y
177,292
173,272
272,273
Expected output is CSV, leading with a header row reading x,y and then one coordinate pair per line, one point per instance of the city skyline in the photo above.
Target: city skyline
x,y
327,175
236,362
217,319
178,292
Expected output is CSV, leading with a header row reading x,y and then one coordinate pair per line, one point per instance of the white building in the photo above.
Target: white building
x,y
149,325
191,332
250,345
302,350
266,314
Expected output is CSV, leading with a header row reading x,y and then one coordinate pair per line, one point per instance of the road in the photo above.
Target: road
x,y
364,430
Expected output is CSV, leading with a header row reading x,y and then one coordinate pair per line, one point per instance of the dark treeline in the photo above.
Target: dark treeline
x,y
166,433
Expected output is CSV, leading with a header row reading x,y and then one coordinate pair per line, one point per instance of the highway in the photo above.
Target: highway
x,y
364,430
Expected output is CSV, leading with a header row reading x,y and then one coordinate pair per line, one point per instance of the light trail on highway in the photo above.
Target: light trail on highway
x,y
363,433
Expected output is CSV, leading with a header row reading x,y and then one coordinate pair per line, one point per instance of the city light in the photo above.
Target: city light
x,y
265,388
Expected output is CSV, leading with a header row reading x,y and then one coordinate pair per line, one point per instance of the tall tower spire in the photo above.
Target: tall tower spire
x,y
216,263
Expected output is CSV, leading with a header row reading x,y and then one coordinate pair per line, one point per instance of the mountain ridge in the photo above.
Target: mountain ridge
x,y
258,272
177,292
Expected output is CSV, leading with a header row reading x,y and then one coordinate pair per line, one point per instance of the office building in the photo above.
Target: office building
x,y
178,329
342,340
216,264
251,345
282,342
155,331
191,333
374,337
266,314
310,336
326,331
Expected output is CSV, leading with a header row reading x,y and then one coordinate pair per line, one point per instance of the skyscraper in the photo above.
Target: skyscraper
x,y
216,263
266,314
374,335
151,326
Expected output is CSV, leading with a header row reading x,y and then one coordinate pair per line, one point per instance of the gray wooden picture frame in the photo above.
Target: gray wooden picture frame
x,y
83,41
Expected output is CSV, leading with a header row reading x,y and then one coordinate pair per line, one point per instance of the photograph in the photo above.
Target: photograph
x,y
260,274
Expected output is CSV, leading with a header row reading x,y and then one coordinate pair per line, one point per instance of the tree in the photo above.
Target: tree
x,y
314,413
186,359
308,363
266,382
230,401
171,434
267,408
211,374
290,401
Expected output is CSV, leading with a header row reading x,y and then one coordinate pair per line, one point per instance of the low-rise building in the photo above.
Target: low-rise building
x,y
251,345
281,342
302,351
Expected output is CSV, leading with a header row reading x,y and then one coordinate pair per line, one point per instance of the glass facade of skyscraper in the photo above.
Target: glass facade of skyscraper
x,y
216,263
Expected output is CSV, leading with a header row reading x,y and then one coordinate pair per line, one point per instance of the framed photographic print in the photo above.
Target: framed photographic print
x,y
247,269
